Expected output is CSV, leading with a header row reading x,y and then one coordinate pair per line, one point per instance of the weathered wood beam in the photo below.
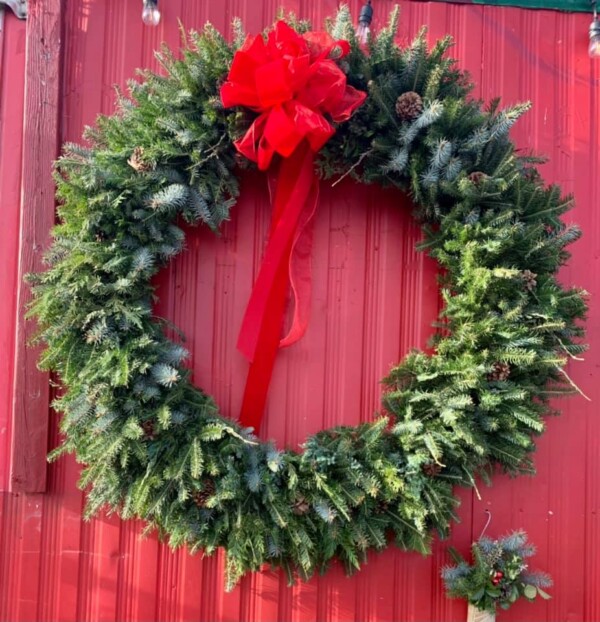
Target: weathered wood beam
x,y
29,442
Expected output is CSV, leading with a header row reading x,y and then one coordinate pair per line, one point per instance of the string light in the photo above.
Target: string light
x,y
594,47
364,23
150,13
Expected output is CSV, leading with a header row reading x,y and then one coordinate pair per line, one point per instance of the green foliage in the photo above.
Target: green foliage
x,y
499,574
155,447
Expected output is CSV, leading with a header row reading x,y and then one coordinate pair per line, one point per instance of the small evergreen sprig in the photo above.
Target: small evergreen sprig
x,y
499,574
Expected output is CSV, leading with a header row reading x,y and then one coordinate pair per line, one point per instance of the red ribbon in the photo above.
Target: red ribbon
x,y
293,82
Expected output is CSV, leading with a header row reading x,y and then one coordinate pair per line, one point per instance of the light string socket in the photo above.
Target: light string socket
x,y
150,13
364,23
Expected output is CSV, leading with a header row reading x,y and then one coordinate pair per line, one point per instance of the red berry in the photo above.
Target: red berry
x,y
499,574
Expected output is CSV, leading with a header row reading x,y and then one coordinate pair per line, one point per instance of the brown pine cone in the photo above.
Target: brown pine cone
x,y
202,496
531,174
149,431
241,161
300,506
431,469
409,106
529,280
500,372
382,507
477,177
137,163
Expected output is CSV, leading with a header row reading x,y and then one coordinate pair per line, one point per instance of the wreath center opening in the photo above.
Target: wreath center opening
x,y
374,298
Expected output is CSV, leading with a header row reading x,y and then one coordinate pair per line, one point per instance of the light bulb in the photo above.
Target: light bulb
x,y
364,22
362,33
150,13
594,47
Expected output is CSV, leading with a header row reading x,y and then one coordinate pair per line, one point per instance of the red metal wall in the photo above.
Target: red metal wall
x,y
373,299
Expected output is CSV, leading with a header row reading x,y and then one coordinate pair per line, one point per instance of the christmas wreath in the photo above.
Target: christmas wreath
x,y
154,446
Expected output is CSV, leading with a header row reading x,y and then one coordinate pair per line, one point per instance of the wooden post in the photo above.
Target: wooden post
x,y
29,442
476,615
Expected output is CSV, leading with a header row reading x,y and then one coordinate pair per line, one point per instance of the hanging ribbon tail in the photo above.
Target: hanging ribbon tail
x,y
300,270
263,320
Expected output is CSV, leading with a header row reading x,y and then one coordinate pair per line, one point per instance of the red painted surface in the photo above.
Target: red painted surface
x,y
373,297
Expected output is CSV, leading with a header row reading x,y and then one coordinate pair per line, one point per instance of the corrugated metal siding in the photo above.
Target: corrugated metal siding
x,y
373,299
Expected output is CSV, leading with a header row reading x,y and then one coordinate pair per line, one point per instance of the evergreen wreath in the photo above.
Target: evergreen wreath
x,y
154,446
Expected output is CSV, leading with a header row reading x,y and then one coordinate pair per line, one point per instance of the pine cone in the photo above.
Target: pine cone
x,y
136,161
409,106
241,161
529,279
500,372
477,177
431,469
382,507
202,496
531,175
300,506
149,430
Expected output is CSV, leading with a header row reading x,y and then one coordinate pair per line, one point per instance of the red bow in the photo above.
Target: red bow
x,y
295,85
293,82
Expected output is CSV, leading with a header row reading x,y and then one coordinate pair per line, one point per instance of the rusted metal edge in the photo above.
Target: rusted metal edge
x,y
18,7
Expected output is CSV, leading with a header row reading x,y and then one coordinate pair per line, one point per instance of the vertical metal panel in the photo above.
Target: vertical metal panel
x,y
373,299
